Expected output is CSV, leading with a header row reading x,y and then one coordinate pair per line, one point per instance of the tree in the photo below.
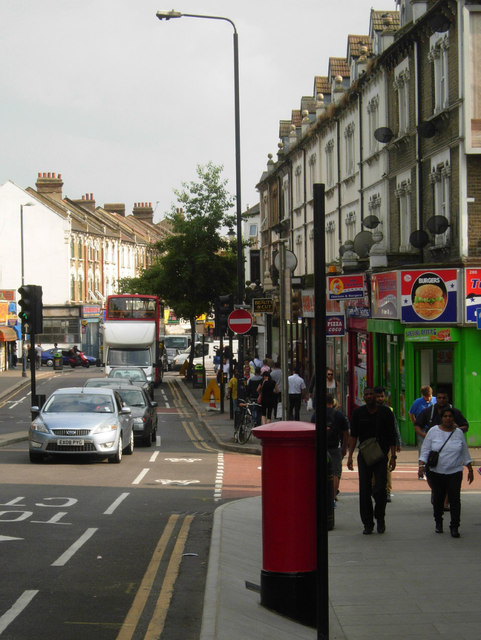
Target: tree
x,y
195,264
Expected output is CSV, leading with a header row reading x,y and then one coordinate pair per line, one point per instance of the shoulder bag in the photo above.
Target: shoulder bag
x,y
433,456
371,451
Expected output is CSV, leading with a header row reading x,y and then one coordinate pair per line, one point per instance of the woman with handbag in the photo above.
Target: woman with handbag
x,y
268,391
445,470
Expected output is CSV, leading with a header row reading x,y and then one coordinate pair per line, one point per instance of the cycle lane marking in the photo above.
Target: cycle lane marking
x,y
17,608
72,550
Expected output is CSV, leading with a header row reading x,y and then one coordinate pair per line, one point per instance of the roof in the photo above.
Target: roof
x,y
339,67
385,20
354,44
322,85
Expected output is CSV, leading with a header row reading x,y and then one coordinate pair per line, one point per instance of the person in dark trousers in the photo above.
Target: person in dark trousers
x,y
297,392
372,420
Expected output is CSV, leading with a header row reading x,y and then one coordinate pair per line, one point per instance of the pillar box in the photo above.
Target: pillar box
x,y
289,557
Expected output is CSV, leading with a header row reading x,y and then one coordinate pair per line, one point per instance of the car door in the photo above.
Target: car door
x,y
126,421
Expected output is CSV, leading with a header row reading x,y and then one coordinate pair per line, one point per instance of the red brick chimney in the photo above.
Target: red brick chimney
x,y
87,202
115,207
50,184
144,211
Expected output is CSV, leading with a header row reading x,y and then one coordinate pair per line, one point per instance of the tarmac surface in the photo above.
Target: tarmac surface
x,y
407,583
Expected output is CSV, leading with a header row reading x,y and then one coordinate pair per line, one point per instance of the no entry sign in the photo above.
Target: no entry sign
x,y
239,321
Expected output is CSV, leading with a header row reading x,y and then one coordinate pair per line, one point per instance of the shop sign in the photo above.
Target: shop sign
x,y
472,285
358,308
429,296
307,298
12,314
91,311
263,305
335,326
7,294
431,334
346,287
384,295
3,312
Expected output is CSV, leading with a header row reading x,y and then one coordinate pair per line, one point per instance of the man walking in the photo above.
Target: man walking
x,y
372,421
297,390
424,401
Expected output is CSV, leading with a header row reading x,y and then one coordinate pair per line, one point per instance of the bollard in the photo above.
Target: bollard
x,y
289,558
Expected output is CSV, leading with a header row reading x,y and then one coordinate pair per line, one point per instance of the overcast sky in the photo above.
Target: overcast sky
x,y
125,106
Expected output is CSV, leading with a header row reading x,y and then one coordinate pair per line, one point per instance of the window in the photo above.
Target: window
x,y
350,151
438,55
298,186
440,178
350,221
373,123
312,173
330,241
401,87
403,195
252,230
329,151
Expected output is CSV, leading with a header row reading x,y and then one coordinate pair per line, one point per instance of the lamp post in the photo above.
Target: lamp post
x,y
168,15
22,267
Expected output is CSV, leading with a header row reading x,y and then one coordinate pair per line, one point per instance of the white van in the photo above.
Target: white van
x,y
210,351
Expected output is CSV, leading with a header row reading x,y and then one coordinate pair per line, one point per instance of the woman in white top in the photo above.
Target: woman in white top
x,y
447,475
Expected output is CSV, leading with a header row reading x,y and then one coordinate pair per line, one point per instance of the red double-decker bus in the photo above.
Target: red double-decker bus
x,y
131,332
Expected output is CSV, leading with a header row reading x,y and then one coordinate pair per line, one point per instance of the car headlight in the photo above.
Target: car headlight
x,y
38,425
103,428
149,378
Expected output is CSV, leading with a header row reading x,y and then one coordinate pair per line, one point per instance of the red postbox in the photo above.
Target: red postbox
x,y
289,556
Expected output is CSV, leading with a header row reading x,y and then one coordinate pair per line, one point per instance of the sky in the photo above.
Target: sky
x,y
126,107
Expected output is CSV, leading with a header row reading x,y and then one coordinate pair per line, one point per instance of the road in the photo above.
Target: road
x,y
112,551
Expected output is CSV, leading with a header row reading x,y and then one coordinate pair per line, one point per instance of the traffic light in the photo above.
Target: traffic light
x,y
296,304
31,307
224,305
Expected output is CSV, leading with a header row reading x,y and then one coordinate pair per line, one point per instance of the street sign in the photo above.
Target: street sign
x,y
263,305
240,321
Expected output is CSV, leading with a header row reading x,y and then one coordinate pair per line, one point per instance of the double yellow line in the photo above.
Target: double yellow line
x,y
157,621
189,427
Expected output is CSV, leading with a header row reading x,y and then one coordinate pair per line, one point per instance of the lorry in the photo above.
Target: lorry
x,y
132,344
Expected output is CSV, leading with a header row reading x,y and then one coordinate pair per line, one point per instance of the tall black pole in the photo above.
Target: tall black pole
x,y
320,396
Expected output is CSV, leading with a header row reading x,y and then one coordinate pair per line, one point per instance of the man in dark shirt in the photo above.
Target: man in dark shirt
x,y
372,421
432,415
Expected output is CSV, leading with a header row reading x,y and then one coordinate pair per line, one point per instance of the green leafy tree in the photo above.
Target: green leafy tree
x,y
195,264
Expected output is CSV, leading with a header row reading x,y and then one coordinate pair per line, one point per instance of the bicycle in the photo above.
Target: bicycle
x,y
246,423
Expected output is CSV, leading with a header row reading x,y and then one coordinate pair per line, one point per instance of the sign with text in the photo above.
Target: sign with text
x,y
335,326
472,287
346,287
429,296
263,305
384,295
430,334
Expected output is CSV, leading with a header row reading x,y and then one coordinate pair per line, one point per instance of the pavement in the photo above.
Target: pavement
x,y
409,583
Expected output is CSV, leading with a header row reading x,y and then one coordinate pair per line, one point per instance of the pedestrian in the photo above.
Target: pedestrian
x,y
256,362
375,423
252,393
231,393
424,401
268,391
297,393
382,400
446,476
13,355
276,375
38,356
337,426
265,366
331,385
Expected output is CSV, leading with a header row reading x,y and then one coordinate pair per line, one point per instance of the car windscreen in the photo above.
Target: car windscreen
x,y
129,358
79,403
132,398
128,374
176,342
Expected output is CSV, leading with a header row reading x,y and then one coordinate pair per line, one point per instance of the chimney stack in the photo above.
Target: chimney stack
x,y
87,202
115,207
144,211
50,184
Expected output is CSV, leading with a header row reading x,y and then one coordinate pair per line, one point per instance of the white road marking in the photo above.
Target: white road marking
x,y
141,475
182,482
219,477
8,538
183,459
10,615
115,504
154,456
72,550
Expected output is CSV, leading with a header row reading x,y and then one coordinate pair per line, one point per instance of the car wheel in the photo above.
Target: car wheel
x,y
117,457
35,457
49,362
130,449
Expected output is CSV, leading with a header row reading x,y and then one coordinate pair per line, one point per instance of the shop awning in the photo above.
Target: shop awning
x,y
7,334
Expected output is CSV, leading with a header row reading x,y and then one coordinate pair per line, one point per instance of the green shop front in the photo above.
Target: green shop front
x,y
442,349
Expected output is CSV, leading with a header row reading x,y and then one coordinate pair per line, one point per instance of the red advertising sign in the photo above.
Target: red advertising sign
x,y
429,296
384,295
346,287
473,294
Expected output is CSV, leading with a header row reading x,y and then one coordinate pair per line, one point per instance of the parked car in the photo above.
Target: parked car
x,y
136,375
47,358
82,420
144,411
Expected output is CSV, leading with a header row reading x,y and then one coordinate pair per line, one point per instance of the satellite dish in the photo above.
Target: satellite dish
x,y
419,239
362,243
426,129
342,250
439,23
383,134
371,222
437,224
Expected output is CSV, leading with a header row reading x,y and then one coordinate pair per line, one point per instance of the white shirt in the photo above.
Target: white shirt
x,y
296,383
455,453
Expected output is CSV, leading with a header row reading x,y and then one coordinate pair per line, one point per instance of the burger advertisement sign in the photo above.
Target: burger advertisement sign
x,y
429,296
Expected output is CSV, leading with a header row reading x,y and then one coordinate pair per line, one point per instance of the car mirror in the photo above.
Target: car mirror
x,y
154,404
125,411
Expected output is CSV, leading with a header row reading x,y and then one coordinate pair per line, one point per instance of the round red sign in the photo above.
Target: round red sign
x,y
239,321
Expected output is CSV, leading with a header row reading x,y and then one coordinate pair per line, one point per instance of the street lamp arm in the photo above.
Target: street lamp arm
x,y
167,15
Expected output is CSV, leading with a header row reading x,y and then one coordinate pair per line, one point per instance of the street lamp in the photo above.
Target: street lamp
x,y
22,267
168,15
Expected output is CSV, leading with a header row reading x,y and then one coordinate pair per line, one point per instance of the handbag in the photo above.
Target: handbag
x,y
371,451
433,456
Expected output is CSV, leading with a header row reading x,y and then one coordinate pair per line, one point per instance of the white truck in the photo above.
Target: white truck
x,y
132,344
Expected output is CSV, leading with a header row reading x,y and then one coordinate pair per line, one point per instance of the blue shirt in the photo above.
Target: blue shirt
x,y
419,405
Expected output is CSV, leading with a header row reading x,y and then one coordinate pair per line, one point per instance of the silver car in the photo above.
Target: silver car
x,y
82,420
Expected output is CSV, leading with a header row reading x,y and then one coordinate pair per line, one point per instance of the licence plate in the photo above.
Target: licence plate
x,y
71,442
